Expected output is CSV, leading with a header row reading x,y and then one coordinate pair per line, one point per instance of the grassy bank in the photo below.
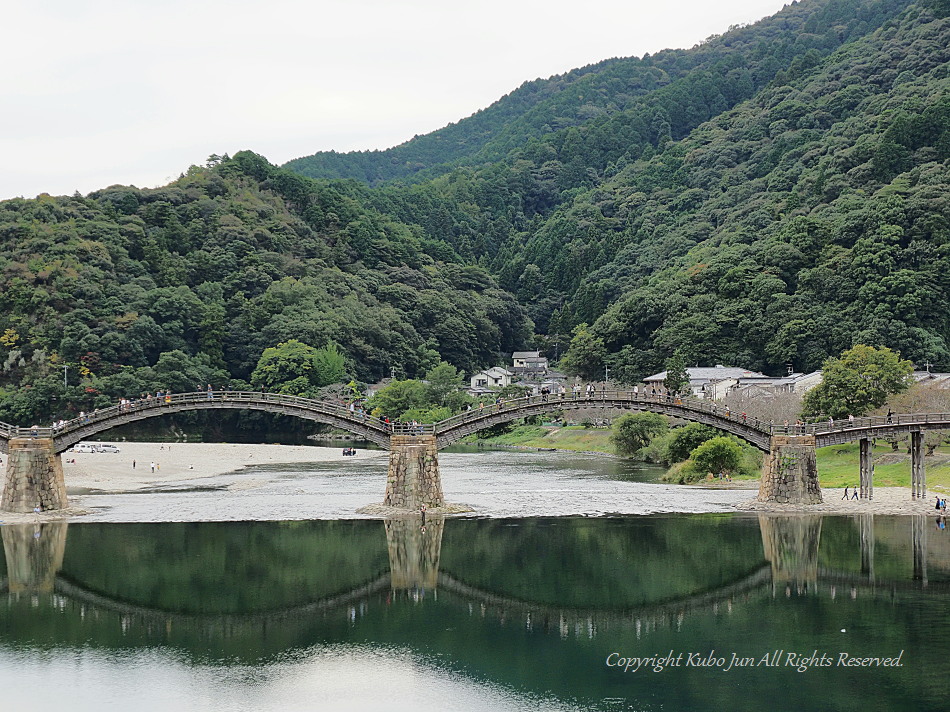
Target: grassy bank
x,y
838,466
570,437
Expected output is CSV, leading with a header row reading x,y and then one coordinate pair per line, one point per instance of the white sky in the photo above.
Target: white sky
x,y
99,92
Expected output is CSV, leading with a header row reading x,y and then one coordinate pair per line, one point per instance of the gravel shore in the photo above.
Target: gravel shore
x,y
887,500
131,469
114,473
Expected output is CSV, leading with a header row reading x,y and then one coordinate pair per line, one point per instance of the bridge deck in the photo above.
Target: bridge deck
x,y
450,430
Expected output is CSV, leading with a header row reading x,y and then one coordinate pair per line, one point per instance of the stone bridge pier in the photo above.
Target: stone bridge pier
x,y
413,479
790,473
34,478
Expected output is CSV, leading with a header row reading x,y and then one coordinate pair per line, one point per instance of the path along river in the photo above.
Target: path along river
x,y
179,596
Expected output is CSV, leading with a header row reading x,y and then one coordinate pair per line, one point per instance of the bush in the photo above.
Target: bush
x,y
721,454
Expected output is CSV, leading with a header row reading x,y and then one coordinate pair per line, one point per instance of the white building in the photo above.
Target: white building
x,y
718,382
494,377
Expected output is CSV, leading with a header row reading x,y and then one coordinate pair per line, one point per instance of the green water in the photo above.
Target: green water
x,y
475,614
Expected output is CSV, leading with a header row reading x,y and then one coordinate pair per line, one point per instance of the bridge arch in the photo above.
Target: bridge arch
x,y
91,424
379,432
749,429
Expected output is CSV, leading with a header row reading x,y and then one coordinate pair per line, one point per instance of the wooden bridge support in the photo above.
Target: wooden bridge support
x,y
790,474
34,480
34,554
918,475
413,479
866,465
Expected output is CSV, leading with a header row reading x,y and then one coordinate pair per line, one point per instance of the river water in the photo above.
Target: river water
x,y
509,609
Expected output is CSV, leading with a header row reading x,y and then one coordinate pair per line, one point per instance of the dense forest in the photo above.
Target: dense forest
x,y
772,196
137,290
779,200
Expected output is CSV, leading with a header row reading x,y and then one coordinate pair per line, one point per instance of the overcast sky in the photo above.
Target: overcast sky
x,y
99,92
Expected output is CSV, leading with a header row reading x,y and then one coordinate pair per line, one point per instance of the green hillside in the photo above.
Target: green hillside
x,y
782,230
725,69
138,290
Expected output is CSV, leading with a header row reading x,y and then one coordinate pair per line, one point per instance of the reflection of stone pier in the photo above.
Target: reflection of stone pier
x,y
34,553
414,551
791,546
34,477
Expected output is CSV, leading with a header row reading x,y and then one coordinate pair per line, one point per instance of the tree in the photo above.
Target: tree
x,y
858,381
329,365
677,378
286,368
720,454
686,439
442,380
631,432
9,338
585,356
398,398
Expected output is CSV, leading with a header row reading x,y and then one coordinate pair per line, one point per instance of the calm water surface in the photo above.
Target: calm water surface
x,y
511,611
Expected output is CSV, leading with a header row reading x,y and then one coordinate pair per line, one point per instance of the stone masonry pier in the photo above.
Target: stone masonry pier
x,y
413,479
34,477
790,474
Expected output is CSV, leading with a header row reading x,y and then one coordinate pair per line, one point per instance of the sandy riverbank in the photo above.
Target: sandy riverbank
x,y
107,472
94,474
87,473
887,500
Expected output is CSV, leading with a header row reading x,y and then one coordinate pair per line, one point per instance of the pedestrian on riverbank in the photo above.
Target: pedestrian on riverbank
x,y
854,494
846,493
152,464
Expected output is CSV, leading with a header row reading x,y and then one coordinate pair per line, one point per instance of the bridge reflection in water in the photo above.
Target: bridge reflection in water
x,y
34,556
530,604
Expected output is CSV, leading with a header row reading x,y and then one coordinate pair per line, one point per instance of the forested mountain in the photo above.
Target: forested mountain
x,y
772,196
777,229
138,290
725,69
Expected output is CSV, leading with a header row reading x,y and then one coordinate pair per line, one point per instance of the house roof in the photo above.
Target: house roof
x,y
495,372
706,374
526,354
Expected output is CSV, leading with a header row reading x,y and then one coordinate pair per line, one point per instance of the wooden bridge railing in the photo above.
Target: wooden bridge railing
x,y
606,398
174,402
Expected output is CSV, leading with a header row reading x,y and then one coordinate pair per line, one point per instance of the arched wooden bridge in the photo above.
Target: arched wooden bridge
x,y
450,430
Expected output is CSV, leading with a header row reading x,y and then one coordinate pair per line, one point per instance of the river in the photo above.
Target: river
x,y
624,602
